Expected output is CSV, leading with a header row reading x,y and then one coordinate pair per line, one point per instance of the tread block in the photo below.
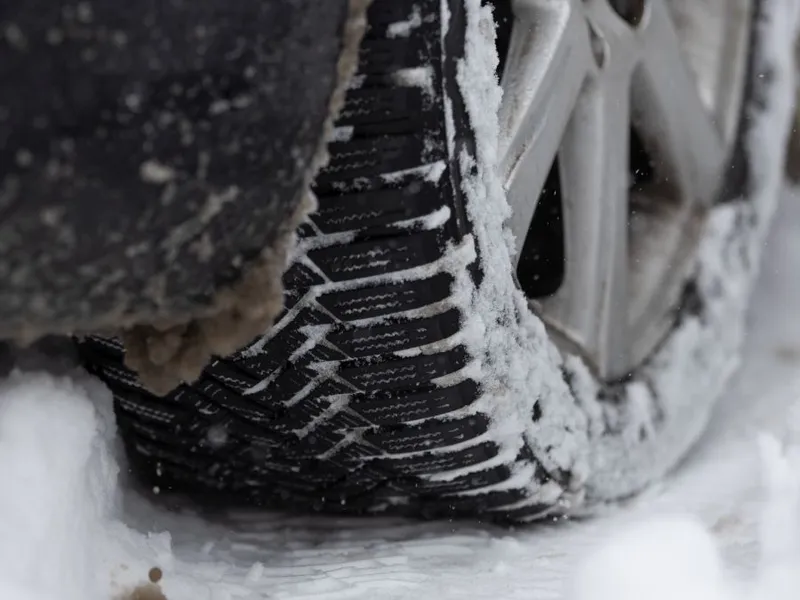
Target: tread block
x,y
316,481
207,409
344,421
461,484
120,375
322,353
357,483
332,387
227,374
378,208
381,111
402,373
359,342
381,15
365,157
232,402
315,444
386,56
299,276
436,462
373,257
479,503
151,412
260,364
109,346
287,385
429,434
388,299
395,409
299,416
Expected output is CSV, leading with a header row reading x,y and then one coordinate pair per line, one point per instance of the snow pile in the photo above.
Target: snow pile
x,y
59,539
57,488
666,558
676,557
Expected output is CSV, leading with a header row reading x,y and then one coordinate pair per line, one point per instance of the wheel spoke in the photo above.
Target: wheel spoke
x,y
670,114
591,306
580,77
548,62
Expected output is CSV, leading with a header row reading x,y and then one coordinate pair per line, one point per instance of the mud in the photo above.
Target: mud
x,y
147,591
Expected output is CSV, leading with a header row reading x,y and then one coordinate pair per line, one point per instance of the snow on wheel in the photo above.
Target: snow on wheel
x,y
514,299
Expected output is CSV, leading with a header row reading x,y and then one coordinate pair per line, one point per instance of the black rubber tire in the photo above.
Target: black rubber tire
x,y
333,410
122,128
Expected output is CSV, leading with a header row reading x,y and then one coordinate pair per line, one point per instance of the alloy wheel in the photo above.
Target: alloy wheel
x,y
617,121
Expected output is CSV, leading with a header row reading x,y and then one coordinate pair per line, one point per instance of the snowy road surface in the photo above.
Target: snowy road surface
x,y
69,531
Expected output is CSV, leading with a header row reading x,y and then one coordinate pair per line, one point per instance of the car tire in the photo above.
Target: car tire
x,y
407,373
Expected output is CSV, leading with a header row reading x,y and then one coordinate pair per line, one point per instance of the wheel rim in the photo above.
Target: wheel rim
x,y
617,120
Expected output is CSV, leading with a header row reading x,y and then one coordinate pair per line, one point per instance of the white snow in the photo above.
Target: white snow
x,y
421,77
48,439
58,537
678,556
343,133
404,28
152,171
660,559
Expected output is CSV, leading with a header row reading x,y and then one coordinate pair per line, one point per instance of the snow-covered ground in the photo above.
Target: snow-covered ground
x,y
726,525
